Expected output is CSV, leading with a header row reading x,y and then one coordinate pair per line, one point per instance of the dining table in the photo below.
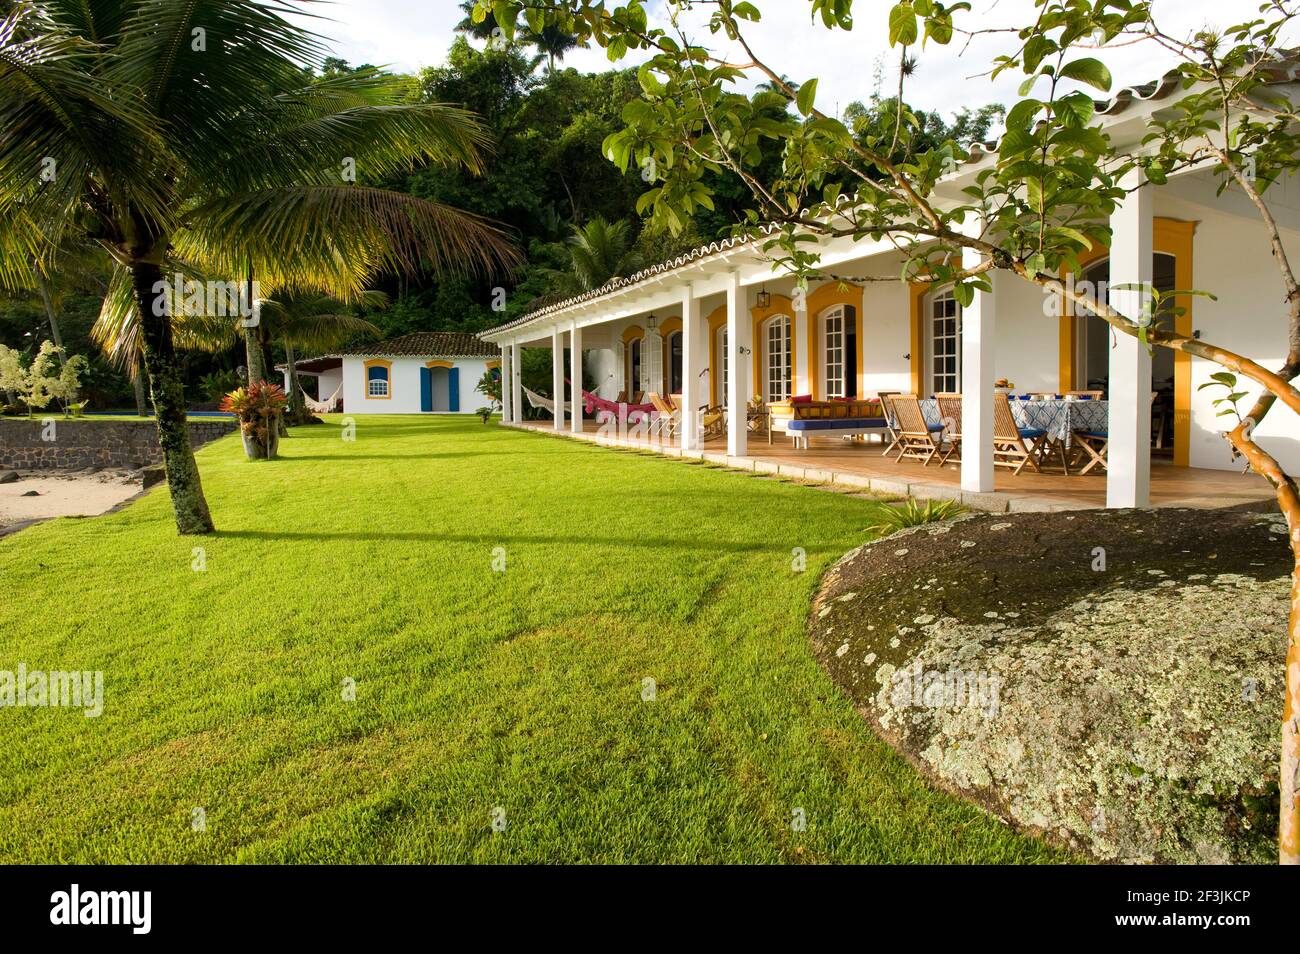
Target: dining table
x,y
1061,418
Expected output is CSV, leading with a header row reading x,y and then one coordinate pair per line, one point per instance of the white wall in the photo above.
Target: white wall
x,y
1231,258
327,382
886,337
602,364
404,385
1028,338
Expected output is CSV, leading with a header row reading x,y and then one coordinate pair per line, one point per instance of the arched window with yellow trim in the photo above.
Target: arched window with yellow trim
x,y
837,332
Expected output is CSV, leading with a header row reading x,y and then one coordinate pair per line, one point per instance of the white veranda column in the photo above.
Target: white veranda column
x,y
695,357
1128,474
978,336
505,385
516,385
575,338
557,376
738,352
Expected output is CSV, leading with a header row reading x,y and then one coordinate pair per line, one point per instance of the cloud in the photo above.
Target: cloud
x,y
850,65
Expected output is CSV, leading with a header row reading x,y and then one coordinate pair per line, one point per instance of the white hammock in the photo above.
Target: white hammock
x,y
326,406
545,403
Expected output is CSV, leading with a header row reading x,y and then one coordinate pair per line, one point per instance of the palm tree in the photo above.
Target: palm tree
x,y
310,320
601,250
552,42
187,133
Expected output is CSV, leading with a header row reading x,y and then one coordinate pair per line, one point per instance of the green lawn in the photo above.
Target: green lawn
x,y
372,560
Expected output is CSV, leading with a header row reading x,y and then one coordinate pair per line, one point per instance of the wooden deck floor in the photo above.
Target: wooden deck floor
x,y
863,465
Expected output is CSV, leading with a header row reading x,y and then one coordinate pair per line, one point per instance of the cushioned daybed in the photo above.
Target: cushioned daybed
x,y
802,418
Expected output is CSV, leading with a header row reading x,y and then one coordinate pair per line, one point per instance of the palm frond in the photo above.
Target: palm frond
x,y
338,237
376,140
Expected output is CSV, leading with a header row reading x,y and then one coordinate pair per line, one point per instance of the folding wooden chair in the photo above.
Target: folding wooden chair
x,y
950,415
915,437
1093,444
1009,447
891,421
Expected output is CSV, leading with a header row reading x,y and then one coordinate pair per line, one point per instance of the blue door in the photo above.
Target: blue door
x,y
426,390
453,390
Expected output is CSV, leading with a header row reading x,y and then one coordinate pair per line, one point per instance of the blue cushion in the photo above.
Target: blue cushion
x,y
835,423
934,427
1032,432
1099,435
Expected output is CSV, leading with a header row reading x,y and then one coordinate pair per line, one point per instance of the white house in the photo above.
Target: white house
x,y
426,372
721,325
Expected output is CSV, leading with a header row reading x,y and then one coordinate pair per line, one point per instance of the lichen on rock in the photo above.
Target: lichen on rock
x,y
1128,713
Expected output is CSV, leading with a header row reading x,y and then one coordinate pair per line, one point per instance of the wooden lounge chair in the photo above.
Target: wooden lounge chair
x,y
667,417
713,422
950,414
915,437
1009,439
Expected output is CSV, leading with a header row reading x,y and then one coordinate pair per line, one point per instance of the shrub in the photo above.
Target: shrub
x,y
914,513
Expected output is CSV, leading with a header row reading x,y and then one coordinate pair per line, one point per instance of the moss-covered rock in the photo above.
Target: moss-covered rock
x,y
1112,679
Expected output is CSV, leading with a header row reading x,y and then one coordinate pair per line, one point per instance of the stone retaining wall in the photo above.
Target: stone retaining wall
x,y
79,443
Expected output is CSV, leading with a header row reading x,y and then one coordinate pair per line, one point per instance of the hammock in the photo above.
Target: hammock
x,y
544,403
592,403
326,406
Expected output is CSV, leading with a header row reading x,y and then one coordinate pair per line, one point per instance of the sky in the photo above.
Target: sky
x,y
408,34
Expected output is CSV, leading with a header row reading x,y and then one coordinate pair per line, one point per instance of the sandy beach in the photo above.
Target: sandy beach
x,y
63,495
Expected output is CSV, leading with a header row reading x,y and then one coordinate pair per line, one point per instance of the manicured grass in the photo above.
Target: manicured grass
x,y
373,561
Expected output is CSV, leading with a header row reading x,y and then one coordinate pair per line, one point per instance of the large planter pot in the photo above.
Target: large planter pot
x,y
253,447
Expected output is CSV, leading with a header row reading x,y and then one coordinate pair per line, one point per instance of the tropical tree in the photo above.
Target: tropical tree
x,y
601,250
194,135
1045,201
311,320
550,41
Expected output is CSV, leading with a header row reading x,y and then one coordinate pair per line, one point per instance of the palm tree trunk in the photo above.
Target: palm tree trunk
x,y
168,392
50,316
298,413
253,359
137,383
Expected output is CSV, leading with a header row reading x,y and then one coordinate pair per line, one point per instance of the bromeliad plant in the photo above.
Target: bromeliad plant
x,y
258,407
1045,199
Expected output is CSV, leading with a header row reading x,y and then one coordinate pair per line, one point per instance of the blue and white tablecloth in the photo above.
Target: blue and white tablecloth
x,y
1059,418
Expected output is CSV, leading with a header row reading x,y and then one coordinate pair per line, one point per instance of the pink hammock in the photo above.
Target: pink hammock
x,y
592,403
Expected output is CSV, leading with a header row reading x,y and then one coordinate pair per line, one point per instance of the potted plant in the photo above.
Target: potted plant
x,y
259,407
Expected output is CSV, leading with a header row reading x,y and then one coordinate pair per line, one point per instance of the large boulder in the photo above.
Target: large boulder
x,y
1111,679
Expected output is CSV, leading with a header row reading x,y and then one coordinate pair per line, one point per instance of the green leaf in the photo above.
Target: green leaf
x,y
746,11
1022,114
806,96
902,25
1088,70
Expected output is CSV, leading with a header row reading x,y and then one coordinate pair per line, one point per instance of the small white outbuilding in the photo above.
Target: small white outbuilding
x,y
428,372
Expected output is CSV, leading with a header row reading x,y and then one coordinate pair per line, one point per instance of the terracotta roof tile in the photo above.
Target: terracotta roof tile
x,y
430,343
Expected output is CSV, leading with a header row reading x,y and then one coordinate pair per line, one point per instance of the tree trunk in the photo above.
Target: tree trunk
x,y
137,383
50,316
1289,783
298,413
168,392
253,356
